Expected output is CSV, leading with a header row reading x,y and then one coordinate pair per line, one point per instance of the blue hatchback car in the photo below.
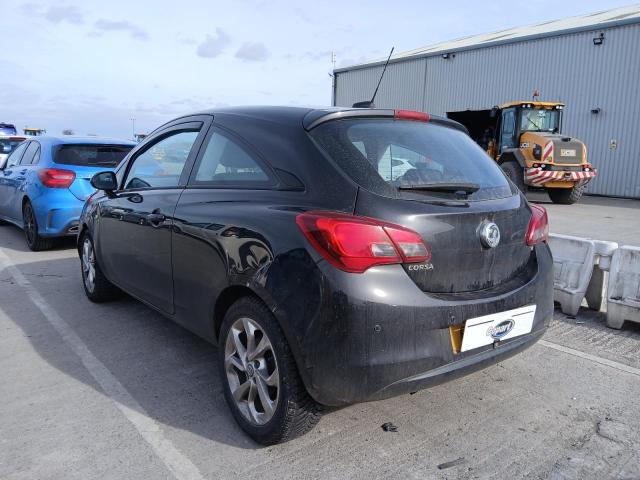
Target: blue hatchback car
x,y
45,181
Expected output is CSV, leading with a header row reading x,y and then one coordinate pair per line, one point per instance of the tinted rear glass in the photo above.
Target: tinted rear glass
x,y
382,155
8,145
90,155
7,129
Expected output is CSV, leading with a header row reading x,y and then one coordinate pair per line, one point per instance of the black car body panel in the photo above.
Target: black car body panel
x,y
379,349
451,231
190,250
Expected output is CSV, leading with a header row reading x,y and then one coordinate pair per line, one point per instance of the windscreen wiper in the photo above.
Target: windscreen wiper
x,y
463,188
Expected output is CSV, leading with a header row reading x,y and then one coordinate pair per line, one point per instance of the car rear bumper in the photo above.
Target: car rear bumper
x,y
58,214
376,335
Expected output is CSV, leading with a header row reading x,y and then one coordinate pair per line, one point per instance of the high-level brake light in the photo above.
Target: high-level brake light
x,y
411,115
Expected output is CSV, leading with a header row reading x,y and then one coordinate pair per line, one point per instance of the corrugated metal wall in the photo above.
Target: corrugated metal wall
x,y
567,68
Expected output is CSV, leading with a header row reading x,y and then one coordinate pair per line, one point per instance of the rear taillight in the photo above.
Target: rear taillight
x,y
354,244
538,230
411,115
56,177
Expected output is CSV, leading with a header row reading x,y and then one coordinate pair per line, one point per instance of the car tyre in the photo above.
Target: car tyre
x,y
261,381
96,286
515,173
30,226
566,196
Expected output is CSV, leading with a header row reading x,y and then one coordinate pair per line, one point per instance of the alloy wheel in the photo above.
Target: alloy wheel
x,y
29,224
252,371
88,264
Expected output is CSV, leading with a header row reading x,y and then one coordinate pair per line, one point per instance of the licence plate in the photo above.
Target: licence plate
x,y
481,331
567,152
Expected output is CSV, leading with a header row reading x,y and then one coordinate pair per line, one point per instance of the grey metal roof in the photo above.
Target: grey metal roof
x,y
592,21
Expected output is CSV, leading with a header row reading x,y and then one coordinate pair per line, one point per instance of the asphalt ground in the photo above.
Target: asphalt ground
x,y
116,391
602,218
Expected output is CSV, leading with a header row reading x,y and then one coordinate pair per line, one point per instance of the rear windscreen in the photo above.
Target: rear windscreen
x,y
90,155
7,129
8,145
397,157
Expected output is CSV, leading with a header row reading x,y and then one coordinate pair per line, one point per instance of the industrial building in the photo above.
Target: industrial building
x,y
591,63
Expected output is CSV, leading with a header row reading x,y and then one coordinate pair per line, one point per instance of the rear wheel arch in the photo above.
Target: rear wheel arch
x,y
228,297
231,295
81,233
31,230
25,200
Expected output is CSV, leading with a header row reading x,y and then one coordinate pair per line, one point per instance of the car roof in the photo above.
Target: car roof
x,y
77,139
308,117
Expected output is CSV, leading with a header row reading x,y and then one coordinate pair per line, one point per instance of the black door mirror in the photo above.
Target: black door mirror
x,y
106,181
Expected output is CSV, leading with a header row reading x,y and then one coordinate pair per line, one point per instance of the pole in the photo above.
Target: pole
x,y
133,128
333,79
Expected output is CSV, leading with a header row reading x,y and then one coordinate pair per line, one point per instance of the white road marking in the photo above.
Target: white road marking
x,y
587,356
178,464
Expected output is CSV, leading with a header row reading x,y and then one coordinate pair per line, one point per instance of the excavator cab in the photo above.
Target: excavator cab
x,y
34,132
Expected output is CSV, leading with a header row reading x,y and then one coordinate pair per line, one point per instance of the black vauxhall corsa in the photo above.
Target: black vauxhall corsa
x,y
334,255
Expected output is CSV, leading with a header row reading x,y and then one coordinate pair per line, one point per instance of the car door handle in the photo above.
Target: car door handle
x,y
155,218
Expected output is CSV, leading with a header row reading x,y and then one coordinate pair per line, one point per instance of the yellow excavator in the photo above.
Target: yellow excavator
x,y
525,138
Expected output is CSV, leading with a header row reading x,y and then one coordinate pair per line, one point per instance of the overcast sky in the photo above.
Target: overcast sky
x,y
93,65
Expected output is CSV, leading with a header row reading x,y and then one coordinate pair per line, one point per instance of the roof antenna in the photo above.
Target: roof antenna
x,y
369,103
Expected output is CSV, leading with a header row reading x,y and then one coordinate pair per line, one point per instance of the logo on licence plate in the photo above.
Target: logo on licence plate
x,y
500,330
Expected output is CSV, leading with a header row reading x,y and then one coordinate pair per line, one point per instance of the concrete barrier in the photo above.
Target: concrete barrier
x,y
623,291
602,262
573,260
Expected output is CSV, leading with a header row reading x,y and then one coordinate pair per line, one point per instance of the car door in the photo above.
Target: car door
x,y
22,175
215,241
135,228
8,182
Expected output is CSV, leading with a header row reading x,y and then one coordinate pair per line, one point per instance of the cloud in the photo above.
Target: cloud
x,y
55,13
121,26
253,52
64,13
214,45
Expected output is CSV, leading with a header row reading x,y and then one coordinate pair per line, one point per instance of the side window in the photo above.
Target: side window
x,y
225,162
508,129
161,165
508,122
36,157
14,158
31,155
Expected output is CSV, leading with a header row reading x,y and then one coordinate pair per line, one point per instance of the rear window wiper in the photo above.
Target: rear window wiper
x,y
463,188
